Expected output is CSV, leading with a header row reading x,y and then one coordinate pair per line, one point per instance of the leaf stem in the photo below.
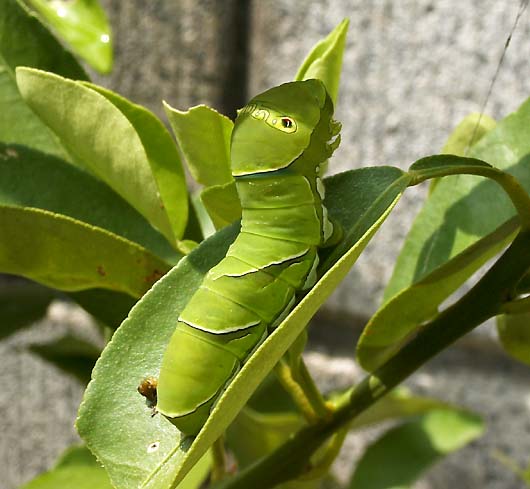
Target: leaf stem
x,y
515,191
300,386
219,460
482,302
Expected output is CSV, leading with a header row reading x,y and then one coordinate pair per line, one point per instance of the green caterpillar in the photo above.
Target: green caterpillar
x,y
278,143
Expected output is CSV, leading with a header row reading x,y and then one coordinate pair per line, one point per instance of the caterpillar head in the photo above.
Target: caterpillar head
x,y
278,126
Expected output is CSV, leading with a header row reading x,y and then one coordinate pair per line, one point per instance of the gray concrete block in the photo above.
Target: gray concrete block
x,y
182,52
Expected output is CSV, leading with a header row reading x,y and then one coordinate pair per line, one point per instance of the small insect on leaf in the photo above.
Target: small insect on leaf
x,y
147,388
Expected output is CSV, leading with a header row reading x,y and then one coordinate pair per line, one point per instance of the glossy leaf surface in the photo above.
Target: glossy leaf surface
x,y
24,41
83,25
101,138
52,249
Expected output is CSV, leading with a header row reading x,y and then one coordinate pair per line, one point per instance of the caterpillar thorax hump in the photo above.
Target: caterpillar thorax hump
x,y
279,140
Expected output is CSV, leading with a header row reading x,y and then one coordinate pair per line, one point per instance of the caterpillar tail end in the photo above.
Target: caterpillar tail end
x,y
190,424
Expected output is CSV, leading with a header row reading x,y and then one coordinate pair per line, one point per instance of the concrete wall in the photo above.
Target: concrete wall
x,y
412,70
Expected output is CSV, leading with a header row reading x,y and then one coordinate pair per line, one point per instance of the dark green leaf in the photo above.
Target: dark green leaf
x,y
30,178
402,454
107,306
71,354
514,333
21,303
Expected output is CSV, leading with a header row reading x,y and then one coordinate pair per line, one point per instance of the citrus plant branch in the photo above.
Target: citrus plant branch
x,y
483,301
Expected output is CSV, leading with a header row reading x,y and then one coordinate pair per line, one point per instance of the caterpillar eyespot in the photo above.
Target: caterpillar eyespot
x,y
287,122
279,140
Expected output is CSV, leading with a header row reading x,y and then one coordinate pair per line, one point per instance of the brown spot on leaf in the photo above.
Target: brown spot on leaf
x,y
101,271
153,277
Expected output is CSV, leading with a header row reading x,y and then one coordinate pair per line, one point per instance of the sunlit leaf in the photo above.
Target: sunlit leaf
x,y
83,25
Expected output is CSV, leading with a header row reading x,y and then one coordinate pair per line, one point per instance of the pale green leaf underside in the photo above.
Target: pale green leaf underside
x,y
203,136
443,249
400,456
83,25
325,60
25,41
99,136
111,398
222,204
514,333
66,254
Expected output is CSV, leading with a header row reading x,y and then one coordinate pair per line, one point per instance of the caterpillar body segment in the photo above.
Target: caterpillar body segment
x,y
278,143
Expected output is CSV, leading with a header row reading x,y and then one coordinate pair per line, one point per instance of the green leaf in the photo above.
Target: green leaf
x,y
464,222
442,165
78,476
203,136
399,457
203,218
398,404
468,132
463,208
107,306
163,157
325,60
29,178
22,303
222,204
25,41
71,354
401,317
83,25
112,400
76,455
66,254
268,419
100,137
514,333
138,345
78,468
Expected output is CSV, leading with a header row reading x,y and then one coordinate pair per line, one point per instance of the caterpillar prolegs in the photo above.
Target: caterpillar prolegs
x,y
279,140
